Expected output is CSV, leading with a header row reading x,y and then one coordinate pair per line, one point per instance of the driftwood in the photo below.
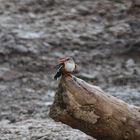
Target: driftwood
x,y
87,108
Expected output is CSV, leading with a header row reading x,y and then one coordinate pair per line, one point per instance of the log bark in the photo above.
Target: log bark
x,y
91,110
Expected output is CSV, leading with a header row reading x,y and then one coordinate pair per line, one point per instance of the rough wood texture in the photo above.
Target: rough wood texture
x,y
87,108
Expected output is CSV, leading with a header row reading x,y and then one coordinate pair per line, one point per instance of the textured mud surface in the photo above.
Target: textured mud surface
x,y
103,37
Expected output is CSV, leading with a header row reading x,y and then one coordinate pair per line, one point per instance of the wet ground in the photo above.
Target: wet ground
x,y
102,36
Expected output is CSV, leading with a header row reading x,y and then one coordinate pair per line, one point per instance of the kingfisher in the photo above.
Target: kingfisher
x,y
65,67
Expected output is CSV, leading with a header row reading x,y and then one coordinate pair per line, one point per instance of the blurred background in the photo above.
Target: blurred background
x,y
103,36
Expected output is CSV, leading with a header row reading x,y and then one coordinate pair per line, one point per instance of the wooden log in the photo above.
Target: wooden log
x,y
89,109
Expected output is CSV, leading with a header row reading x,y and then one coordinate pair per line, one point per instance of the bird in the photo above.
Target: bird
x,y
65,67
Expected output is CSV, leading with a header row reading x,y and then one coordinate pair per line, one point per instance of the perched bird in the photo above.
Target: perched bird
x,y
65,67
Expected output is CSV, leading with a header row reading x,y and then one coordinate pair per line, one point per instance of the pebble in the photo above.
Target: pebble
x,y
130,63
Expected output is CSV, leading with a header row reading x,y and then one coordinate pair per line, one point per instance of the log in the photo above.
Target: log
x,y
87,108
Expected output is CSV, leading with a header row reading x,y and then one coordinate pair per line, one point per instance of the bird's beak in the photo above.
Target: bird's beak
x,y
61,60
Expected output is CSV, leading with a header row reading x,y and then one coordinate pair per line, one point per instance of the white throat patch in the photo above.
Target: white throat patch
x,y
69,67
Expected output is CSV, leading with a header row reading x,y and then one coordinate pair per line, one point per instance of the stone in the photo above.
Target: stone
x,y
136,2
120,29
19,49
130,63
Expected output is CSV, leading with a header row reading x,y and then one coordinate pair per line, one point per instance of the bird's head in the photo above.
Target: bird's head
x,y
66,60
69,64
